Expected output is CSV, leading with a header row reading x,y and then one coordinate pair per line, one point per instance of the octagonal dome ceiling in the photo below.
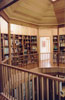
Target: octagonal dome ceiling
x,y
38,12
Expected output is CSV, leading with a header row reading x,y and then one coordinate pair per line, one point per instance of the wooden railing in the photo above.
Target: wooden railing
x,y
22,84
51,59
6,61
25,60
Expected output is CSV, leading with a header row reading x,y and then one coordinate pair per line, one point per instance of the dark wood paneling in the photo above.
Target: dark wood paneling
x,y
6,3
59,8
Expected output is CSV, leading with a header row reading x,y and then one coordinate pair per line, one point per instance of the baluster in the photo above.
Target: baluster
x,y
33,87
16,84
4,80
24,89
8,70
22,86
19,85
37,88
59,91
47,89
28,86
42,87
25,81
13,84
8,81
3,77
53,90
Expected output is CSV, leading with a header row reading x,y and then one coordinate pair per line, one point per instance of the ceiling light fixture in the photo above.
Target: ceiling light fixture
x,y
53,0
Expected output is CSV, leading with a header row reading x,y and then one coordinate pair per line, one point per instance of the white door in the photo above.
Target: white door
x,y
44,48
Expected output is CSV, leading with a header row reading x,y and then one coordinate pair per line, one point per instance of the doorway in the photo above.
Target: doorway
x,y
44,44
45,51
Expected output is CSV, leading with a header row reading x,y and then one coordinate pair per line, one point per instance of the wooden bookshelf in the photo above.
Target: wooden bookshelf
x,y
55,48
61,46
23,46
33,44
55,43
26,43
25,60
23,49
62,49
62,43
12,45
4,46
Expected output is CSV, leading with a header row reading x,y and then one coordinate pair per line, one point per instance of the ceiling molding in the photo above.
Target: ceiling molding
x,y
33,24
14,21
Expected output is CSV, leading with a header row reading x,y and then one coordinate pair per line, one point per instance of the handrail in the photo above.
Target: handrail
x,y
25,60
17,79
35,73
47,53
4,61
25,55
52,59
51,53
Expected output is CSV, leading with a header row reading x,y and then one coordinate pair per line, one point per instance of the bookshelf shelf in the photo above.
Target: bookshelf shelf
x,y
62,48
23,46
4,46
23,49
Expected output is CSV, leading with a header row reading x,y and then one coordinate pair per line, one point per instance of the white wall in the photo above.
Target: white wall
x,y
4,26
43,32
62,31
48,32
23,30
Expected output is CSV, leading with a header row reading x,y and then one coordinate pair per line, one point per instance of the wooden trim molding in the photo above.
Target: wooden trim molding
x,y
4,15
14,21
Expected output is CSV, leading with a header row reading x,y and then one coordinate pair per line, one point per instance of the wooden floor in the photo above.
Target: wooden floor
x,y
43,64
2,97
48,64
30,66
